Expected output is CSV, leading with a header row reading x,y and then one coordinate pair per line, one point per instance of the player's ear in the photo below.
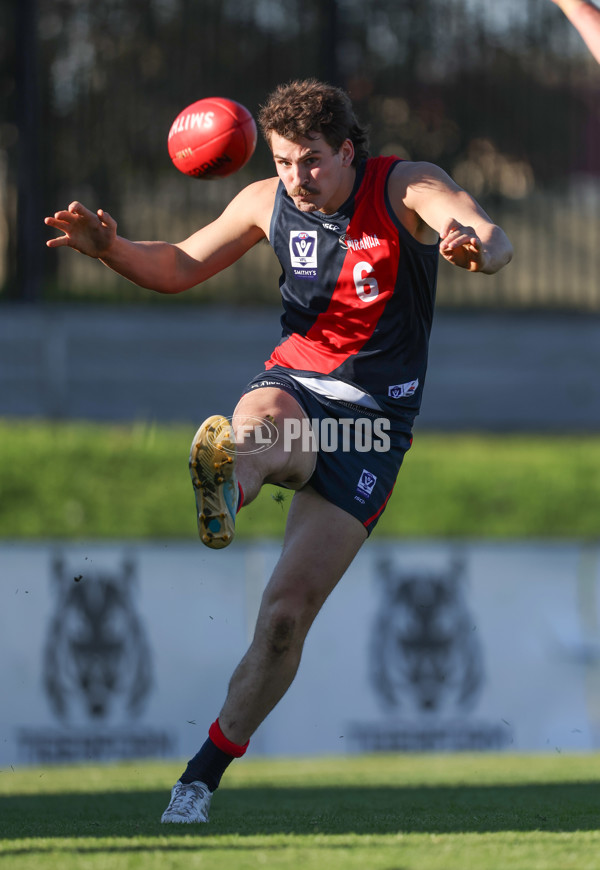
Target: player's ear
x,y
347,151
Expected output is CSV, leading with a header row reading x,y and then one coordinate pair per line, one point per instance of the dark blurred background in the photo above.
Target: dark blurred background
x,y
503,95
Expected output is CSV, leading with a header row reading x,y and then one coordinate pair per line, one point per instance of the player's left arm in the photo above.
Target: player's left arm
x,y
468,236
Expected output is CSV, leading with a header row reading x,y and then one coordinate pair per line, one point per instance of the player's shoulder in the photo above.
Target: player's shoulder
x,y
259,196
256,200
264,189
407,173
411,181
412,184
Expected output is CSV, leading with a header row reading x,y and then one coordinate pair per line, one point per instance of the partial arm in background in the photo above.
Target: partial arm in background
x,y
585,18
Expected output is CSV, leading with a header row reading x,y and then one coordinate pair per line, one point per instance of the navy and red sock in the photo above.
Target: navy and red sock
x,y
213,759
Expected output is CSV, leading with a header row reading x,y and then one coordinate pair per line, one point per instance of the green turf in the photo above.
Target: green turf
x,y
88,481
387,813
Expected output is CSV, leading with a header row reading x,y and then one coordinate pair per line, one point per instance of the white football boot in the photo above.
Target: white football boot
x,y
189,803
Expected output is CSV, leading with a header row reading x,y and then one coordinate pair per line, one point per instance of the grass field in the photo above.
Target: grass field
x,y
90,481
442,812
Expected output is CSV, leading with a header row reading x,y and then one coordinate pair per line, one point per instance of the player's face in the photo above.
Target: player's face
x,y
315,176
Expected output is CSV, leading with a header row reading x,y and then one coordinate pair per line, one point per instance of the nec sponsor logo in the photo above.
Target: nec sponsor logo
x,y
333,227
363,244
401,391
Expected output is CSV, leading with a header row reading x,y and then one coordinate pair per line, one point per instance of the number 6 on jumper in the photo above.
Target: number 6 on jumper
x,y
366,287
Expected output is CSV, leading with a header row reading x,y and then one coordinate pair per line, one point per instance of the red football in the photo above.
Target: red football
x,y
212,138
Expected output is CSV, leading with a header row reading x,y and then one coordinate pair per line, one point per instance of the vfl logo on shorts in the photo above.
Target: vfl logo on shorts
x,y
367,482
303,253
399,391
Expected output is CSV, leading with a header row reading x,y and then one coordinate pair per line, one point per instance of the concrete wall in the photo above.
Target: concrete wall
x,y
444,646
495,371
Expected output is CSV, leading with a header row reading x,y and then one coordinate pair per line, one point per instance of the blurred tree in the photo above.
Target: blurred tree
x,y
506,102
29,244
8,143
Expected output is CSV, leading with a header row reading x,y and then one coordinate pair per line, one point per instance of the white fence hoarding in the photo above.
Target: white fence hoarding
x,y
121,650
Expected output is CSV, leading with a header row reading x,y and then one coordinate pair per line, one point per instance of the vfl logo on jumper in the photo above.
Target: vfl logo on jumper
x,y
97,658
366,484
423,647
400,391
303,253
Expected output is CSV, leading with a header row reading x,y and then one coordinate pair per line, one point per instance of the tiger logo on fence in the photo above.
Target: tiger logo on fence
x,y
425,651
97,662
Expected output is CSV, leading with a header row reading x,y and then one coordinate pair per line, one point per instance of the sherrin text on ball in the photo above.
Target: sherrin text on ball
x,y
212,138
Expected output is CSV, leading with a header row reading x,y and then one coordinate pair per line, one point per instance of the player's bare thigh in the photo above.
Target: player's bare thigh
x,y
320,542
287,461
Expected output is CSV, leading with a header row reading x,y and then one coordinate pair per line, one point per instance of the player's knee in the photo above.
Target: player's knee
x,y
288,623
282,632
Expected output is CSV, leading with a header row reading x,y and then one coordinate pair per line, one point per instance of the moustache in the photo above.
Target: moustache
x,y
301,191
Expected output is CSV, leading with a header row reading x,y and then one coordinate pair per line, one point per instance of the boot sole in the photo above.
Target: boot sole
x,y
212,466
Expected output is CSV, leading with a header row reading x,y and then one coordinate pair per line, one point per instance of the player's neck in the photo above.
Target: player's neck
x,y
342,193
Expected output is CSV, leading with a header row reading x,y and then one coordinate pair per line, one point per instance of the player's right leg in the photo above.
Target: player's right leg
x,y
230,461
320,542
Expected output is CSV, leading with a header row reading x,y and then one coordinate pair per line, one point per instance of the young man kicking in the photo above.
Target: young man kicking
x,y
358,239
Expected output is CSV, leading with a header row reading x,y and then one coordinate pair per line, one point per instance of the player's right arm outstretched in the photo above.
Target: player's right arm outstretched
x,y
162,266
585,17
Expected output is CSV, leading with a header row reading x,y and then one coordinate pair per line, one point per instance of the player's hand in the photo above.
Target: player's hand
x,y
88,232
461,246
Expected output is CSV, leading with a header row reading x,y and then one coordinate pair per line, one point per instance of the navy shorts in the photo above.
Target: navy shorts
x,y
358,460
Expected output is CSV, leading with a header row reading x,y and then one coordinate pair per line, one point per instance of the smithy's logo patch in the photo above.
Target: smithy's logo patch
x,y
303,253
367,482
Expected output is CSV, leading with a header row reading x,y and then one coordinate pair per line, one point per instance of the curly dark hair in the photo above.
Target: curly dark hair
x,y
307,106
